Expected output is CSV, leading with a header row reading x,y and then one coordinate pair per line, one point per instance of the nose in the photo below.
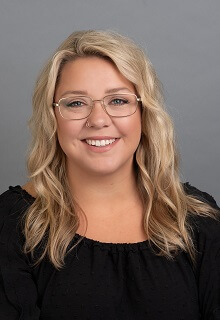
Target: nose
x,y
98,117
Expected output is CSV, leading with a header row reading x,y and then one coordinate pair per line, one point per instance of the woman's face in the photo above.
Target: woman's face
x,y
96,77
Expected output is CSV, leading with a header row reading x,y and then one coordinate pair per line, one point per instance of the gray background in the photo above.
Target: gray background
x,y
181,39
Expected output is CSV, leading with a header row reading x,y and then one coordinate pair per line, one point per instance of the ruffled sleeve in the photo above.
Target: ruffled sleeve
x,y
207,241
18,293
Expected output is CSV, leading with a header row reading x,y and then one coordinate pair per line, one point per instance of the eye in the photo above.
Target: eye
x,y
75,102
118,101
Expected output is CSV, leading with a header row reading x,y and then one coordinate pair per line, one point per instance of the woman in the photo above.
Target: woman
x,y
104,229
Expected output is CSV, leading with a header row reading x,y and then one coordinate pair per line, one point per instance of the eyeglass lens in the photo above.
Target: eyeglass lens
x,y
79,107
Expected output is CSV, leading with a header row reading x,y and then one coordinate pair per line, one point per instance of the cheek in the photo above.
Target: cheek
x,y
131,127
67,131
64,130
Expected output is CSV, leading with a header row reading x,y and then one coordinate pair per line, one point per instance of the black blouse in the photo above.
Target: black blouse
x,y
123,281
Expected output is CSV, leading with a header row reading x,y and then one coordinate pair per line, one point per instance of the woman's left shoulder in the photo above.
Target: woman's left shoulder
x,y
200,195
205,228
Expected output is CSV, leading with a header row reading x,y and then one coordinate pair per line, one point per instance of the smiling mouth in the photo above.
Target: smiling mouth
x,y
99,143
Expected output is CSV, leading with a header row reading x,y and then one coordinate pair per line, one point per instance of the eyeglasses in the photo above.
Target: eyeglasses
x,y
115,105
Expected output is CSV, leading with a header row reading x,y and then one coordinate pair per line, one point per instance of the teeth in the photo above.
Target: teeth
x,y
100,143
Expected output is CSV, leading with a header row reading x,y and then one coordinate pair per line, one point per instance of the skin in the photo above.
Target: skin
x,y
107,191
96,76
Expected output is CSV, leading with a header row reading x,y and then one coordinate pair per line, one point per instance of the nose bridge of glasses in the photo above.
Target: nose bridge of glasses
x,y
101,102
97,100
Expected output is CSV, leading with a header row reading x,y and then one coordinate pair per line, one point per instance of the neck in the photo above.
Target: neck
x,y
105,193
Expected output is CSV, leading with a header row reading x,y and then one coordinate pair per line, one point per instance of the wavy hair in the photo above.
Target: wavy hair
x,y
52,220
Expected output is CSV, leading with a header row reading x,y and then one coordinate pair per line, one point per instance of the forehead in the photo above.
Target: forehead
x,y
87,63
92,74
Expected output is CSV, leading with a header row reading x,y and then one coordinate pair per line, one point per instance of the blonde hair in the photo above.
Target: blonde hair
x,y
52,220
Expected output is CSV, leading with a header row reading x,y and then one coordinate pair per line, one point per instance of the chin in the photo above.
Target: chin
x,y
106,169
102,171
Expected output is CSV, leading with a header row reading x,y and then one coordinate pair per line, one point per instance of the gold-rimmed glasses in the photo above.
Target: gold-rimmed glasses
x,y
80,107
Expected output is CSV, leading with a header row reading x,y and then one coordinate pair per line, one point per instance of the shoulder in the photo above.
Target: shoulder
x,y
13,203
205,228
201,222
200,195
206,231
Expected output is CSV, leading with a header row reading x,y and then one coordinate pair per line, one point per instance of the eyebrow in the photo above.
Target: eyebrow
x,y
82,92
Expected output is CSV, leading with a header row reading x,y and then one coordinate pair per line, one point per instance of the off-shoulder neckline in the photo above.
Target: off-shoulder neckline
x,y
120,246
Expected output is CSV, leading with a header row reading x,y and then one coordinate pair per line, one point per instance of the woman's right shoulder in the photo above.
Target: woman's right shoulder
x,y
13,203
